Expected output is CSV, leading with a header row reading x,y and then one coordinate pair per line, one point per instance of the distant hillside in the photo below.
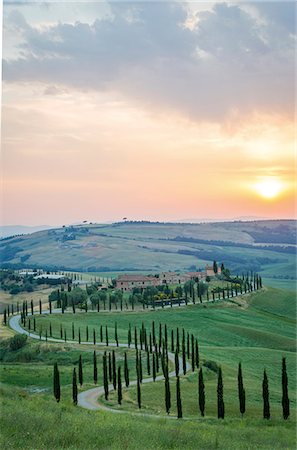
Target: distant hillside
x,y
265,246
12,230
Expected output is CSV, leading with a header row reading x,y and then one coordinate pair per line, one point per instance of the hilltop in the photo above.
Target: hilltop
x,y
267,247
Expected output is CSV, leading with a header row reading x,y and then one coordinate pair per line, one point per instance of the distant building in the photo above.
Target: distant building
x,y
128,282
209,272
172,278
48,276
196,275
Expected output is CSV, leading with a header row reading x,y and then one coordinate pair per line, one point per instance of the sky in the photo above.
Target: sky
x,y
147,110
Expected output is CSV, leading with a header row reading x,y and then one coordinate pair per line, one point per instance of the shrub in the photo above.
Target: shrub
x,y
17,341
212,365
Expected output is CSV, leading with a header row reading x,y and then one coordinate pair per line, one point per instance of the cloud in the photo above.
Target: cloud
x,y
227,65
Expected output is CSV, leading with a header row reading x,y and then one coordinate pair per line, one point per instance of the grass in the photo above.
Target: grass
x,y
257,329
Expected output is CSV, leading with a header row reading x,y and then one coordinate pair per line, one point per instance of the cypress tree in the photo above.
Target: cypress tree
x,y
80,371
61,331
73,333
65,335
116,333
109,367
153,331
167,394
40,307
74,387
184,358
106,335
201,392
94,336
148,365
176,358
196,353
285,396
178,400
140,367
151,344
119,387
241,391
34,324
57,389
154,367
193,353
32,309
79,339
172,340
73,307
188,346
114,371
135,337
87,333
95,373
5,317
101,333
138,393
129,336
265,395
50,329
220,396
105,376
126,370
177,340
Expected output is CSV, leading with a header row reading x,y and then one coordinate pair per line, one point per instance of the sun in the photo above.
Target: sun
x,y
269,187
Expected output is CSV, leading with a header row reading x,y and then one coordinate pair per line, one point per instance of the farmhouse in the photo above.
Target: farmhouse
x,y
128,282
209,272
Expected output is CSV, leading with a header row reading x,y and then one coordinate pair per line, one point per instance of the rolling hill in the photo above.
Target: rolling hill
x,y
268,247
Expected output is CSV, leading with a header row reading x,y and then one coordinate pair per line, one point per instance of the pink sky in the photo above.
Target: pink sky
x,y
143,139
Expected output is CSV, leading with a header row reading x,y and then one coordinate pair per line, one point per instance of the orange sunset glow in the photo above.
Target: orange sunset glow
x,y
104,118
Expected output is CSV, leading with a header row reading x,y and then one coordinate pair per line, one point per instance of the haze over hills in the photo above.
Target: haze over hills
x,y
264,246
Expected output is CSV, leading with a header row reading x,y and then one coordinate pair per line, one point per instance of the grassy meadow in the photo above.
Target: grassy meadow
x,y
257,329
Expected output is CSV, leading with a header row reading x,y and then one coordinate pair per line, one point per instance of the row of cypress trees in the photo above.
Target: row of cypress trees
x,y
246,285
112,374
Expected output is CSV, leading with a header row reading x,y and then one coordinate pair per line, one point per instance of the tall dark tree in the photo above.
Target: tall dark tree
x,y
201,392
154,366
95,372
105,376
32,308
80,371
79,338
73,333
74,387
177,340
57,388
126,370
193,352
265,395
40,307
241,391
120,396
129,336
148,364
176,360
109,367
140,367
106,335
138,393
285,395
5,317
114,371
167,393
116,334
178,400
220,396
87,333
196,353
172,340
94,336
184,358
215,267
50,330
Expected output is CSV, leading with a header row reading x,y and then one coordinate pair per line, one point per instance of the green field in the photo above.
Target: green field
x,y
257,329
